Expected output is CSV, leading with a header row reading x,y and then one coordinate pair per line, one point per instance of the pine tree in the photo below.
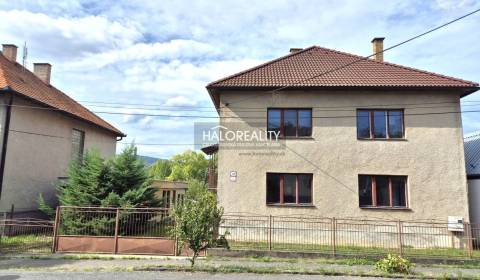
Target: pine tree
x,y
130,181
123,181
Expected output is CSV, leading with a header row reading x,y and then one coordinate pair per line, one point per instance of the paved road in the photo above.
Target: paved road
x,y
161,276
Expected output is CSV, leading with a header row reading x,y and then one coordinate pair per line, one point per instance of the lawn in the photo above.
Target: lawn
x,y
26,244
357,250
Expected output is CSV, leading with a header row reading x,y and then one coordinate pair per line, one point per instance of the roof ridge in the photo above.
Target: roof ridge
x,y
259,66
398,65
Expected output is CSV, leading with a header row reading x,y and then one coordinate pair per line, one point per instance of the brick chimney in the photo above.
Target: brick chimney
x,y
43,71
10,52
377,43
294,50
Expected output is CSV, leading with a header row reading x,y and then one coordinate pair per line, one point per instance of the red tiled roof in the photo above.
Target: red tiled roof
x,y
306,68
21,80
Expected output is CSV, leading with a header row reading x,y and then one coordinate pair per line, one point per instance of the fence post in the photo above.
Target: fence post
x,y
117,222
468,230
175,244
12,210
400,237
55,229
270,220
2,231
334,236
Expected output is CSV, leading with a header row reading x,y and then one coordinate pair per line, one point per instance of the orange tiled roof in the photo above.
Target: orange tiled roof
x,y
15,77
306,68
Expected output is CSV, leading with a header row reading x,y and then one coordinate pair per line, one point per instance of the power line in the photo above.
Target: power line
x,y
123,143
262,109
265,110
263,118
362,58
143,104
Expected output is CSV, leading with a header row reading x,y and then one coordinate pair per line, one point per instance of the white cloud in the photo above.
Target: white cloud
x,y
142,52
65,37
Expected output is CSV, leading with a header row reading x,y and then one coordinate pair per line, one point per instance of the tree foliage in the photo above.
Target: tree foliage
x,y
197,219
189,165
122,181
161,169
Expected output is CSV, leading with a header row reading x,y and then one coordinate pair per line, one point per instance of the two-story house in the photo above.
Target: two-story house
x,y
41,131
359,138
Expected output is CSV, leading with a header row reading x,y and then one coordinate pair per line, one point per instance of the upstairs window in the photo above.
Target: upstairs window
x,y
78,142
382,191
289,188
290,122
380,124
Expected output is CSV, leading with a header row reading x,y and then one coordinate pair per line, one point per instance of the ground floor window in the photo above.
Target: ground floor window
x,y
382,191
289,188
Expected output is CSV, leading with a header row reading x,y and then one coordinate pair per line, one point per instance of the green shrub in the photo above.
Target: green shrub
x,y
394,264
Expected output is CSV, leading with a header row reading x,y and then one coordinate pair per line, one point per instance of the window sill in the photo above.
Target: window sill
x,y
306,205
382,139
386,208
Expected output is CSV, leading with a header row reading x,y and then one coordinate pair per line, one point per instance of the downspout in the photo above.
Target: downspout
x,y
6,129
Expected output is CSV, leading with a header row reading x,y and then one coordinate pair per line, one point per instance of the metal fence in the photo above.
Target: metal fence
x,y
147,231
26,235
357,237
113,230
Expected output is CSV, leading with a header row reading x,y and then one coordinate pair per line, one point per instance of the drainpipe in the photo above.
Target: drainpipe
x,y
5,135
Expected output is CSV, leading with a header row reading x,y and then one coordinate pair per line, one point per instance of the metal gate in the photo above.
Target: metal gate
x,y
113,230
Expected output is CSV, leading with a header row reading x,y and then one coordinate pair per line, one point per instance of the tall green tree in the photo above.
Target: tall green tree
x,y
189,165
129,181
161,169
197,219
123,181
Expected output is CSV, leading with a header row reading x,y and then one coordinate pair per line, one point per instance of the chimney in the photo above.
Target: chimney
x,y
294,50
377,43
43,71
10,52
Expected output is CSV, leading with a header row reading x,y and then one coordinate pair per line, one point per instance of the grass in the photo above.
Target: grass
x,y
356,250
26,243
283,266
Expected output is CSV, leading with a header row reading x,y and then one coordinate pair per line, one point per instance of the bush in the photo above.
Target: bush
x,y
197,220
394,264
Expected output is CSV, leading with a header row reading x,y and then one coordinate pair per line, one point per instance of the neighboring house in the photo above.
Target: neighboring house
x,y
42,130
371,139
472,164
170,192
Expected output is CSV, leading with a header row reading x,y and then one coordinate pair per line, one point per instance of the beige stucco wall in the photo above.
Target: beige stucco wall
x,y
431,156
34,162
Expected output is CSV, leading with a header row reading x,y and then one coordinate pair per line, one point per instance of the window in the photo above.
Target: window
x,y
380,124
382,191
290,122
289,188
78,142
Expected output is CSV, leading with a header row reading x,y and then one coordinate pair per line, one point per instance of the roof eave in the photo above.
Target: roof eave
x,y
211,92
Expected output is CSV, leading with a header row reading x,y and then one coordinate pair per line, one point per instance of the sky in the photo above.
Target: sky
x,y
165,52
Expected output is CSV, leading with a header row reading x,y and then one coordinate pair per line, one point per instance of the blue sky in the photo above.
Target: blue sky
x,y
165,52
